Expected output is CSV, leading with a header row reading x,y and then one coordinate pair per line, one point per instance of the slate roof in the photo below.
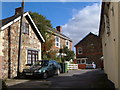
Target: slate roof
x,y
58,33
7,20
54,31
85,38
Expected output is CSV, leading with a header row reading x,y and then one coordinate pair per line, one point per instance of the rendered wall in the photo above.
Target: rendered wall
x,y
110,46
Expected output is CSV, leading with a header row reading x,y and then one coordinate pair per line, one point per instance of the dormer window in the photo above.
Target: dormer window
x,y
79,50
25,28
57,41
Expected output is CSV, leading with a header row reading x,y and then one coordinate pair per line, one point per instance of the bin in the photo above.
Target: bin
x,y
64,67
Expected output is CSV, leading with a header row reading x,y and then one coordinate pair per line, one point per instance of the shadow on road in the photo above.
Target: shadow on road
x,y
91,79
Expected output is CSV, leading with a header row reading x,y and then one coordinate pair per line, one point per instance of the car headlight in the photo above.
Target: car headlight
x,y
43,70
40,71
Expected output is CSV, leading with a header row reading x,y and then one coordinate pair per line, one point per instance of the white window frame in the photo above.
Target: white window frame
x,y
68,44
79,50
57,42
25,28
32,56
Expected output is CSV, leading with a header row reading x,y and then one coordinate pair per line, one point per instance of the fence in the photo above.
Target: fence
x,y
72,66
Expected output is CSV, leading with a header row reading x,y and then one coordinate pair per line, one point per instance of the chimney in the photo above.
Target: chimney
x,y
59,29
18,11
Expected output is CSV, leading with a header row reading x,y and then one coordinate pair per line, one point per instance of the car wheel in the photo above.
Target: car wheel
x,y
45,75
58,72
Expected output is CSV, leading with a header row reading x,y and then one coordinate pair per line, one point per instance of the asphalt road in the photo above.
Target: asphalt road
x,y
90,78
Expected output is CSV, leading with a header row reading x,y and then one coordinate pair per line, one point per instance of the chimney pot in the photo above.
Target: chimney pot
x,y
59,29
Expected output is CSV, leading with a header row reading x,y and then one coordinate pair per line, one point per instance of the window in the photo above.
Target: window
x,y
67,44
79,50
82,61
32,56
57,41
25,28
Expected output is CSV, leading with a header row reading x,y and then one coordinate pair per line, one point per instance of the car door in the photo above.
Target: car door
x,y
50,68
55,66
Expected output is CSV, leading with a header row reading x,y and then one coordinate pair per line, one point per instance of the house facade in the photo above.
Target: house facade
x,y
9,43
89,50
110,33
60,40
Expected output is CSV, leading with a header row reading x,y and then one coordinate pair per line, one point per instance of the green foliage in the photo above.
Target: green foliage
x,y
69,54
50,55
41,23
47,53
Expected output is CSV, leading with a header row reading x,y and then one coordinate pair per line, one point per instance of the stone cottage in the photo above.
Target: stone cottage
x,y
9,42
89,50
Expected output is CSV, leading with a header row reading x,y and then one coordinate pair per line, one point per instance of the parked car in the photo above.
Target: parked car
x,y
43,68
90,65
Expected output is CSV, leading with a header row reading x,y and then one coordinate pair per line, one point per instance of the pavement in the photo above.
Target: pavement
x,y
74,79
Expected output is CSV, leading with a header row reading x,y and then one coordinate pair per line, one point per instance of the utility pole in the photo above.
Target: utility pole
x,y
20,39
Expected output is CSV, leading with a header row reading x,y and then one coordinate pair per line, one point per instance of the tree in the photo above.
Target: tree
x,y
47,53
42,24
69,54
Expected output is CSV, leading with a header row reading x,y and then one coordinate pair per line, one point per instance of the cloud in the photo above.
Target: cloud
x,y
83,21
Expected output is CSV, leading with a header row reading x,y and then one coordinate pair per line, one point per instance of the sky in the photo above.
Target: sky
x,y
76,18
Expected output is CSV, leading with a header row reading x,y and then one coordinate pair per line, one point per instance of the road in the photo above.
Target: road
x,y
90,78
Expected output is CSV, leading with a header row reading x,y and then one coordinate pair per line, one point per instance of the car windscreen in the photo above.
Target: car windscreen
x,y
40,64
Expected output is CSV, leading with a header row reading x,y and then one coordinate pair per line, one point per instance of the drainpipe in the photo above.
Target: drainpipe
x,y
20,40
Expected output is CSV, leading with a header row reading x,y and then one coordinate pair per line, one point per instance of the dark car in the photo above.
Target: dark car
x,y
43,68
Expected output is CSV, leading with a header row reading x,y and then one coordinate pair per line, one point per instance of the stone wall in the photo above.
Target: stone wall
x,y
10,51
1,53
1,67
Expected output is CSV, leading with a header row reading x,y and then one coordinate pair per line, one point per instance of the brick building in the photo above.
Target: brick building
x,y
60,39
9,40
89,50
